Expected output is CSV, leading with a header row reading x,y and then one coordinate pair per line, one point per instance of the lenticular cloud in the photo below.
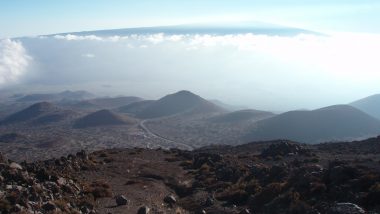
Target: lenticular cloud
x,y
13,61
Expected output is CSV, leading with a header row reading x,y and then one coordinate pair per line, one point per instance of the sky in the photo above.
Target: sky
x,y
262,71
39,17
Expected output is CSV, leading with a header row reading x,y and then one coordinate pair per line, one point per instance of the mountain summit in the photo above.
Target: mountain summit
x,y
370,105
227,28
180,102
339,122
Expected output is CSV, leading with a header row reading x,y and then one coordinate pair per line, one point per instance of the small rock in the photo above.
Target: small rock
x,y
143,210
82,154
49,206
346,208
42,175
210,201
17,208
3,166
17,187
15,166
61,181
245,211
170,199
3,159
85,210
121,200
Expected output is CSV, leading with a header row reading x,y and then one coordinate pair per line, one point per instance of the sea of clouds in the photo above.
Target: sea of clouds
x,y
259,70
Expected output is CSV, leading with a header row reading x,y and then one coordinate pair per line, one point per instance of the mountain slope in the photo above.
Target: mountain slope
x,y
369,105
180,102
100,103
242,115
114,102
39,114
326,124
211,28
136,107
100,118
228,106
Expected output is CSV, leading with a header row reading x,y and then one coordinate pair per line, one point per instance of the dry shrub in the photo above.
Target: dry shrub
x,y
61,204
99,189
235,193
172,159
103,155
109,160
205,168
299,207
375,188
267,194
187,163
5,206
317,188
252,187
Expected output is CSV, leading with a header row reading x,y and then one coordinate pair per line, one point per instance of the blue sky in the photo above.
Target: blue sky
x,y
20,18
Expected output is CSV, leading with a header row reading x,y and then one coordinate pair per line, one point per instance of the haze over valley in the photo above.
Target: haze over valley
x,y
73,120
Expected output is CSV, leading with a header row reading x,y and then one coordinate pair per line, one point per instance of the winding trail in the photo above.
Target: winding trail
x,y
149,132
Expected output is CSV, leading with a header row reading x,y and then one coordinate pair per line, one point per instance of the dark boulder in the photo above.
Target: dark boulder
x,y
346,208
170,199
143,210
121,200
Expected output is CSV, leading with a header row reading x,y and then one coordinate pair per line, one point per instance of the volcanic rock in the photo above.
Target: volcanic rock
x,y
143,210
346,208
121,200
170,199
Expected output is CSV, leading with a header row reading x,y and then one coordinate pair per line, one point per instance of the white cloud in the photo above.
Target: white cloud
x,y
13,61
339,54
342,66
88,55
71,37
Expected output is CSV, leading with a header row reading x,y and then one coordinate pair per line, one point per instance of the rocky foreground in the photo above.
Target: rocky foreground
x,y
265,177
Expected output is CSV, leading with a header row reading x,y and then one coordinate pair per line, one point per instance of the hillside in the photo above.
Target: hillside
x,y
100,118
327,124
114,102
369,105
228,106
136,107
260,177
180,102
241,116
39,113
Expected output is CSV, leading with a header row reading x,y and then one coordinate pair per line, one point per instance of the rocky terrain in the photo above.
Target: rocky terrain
x,y
261,177
42,126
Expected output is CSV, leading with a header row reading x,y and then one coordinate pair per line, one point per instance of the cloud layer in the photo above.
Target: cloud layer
x,y
338,54
262,71
13,61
